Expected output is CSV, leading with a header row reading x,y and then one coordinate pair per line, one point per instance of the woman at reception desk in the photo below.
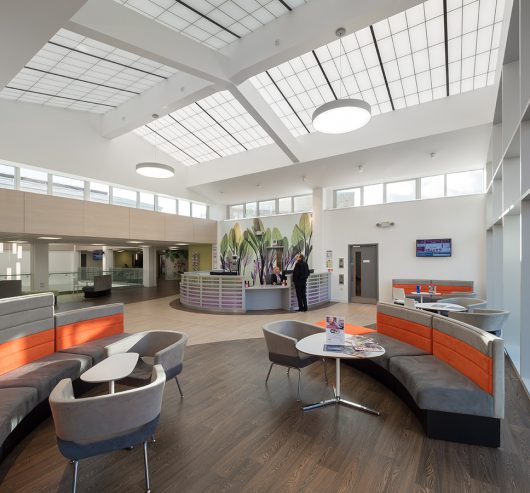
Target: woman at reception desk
x,y
227,293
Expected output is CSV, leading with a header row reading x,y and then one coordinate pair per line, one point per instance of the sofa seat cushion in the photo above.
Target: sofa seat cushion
x,y
45,373
94,349
393,347
436,386
15,404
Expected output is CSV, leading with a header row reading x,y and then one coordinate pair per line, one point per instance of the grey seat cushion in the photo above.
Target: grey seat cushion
x,y
436,386
95,349
15,404
393,347
45,373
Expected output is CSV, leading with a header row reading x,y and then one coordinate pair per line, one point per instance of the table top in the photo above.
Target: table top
x,y
425,293
441,307
114,367
314,345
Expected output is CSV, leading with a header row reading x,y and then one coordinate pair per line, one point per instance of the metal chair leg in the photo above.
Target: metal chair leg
x,y
147,483
74,481
153,439
325,371
299,383
178,385
288,370
269,373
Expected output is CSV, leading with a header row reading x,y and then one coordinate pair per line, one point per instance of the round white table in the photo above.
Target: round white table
x,y
113,368
441,307
314,345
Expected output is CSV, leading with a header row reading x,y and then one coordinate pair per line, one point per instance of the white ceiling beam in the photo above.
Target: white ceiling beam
x,y
305,28
170,95
112,23
25,27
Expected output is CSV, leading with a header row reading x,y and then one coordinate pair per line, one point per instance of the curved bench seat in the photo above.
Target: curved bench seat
x,y
451,374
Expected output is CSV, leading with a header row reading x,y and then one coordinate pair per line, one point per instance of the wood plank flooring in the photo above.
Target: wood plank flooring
x,y
231,433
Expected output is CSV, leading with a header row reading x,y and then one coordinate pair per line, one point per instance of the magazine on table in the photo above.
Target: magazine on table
x,y
334,331
354,344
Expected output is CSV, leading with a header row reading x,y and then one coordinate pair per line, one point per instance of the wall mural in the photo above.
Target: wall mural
x,y
255,259
173,262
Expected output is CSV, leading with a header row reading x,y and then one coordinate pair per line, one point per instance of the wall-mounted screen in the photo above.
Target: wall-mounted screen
x,y
433,248
97,255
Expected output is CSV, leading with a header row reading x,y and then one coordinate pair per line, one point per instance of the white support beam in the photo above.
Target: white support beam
x,y
119,26
178,91
25,27
307,27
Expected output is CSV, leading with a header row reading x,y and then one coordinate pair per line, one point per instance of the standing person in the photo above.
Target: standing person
x,y
300,275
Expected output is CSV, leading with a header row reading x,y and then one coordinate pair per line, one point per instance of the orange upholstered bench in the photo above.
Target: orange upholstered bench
x,y
349,328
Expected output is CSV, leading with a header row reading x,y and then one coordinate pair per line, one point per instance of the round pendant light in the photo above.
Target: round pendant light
x,y
341,115
155,170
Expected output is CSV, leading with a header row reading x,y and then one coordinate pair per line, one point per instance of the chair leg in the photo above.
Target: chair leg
x,y
299,383
288,370
178,385
325,371
269,373
74,481
146,466
153,439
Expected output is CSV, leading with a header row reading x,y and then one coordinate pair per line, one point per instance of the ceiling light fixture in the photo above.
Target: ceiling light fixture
x,y
154,169
49,238
341,115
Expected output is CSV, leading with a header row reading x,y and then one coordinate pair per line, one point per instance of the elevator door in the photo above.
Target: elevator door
x,y
364,274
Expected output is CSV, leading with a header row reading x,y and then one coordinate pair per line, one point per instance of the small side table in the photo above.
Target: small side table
x,y
113,368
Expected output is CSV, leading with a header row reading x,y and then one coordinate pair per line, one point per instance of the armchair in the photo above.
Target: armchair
x,y
488,320
281,338
90,426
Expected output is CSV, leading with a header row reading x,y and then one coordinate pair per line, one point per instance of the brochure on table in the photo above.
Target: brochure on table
x,y
334,333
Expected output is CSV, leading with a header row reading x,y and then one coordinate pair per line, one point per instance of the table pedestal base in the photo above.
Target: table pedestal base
x,y
338,399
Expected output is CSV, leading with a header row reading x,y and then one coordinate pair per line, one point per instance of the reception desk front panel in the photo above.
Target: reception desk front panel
x,y
204,292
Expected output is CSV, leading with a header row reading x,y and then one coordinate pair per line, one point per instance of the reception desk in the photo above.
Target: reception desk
x,y
228,294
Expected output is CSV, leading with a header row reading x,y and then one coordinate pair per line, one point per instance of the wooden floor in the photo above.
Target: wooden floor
x,y
231,433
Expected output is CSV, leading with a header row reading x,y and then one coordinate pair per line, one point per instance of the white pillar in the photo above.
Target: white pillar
x,y
39,266
108,258
317,259
149,254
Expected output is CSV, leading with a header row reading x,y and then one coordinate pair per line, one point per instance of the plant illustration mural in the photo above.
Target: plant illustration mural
x,y
251,246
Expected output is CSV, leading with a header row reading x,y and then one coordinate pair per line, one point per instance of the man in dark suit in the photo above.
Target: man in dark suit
x,y
300,275
277,277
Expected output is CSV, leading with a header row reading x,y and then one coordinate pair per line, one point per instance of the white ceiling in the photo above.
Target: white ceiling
x,y
131,59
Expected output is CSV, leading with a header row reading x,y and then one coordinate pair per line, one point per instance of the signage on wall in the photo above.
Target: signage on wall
x,y
329,260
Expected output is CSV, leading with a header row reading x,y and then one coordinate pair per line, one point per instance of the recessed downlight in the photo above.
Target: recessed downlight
x,y
49,238
135,242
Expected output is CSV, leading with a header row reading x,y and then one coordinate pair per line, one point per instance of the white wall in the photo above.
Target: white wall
x,y
459,218
62,261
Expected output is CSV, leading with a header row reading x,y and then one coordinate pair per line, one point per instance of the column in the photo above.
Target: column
x,y
39,263
108,258
149,257
318,261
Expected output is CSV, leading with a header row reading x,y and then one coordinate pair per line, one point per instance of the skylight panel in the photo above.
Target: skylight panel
x,y
215,23
84,74
215,127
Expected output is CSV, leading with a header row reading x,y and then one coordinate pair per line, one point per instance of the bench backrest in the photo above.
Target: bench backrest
x,y
102,283
442,286
411,326
87,324
26,330
473,352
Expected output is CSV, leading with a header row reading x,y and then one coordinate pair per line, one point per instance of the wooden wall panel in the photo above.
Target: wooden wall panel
x,y
11,211
178,228
146,225
106,221
204,231
47,215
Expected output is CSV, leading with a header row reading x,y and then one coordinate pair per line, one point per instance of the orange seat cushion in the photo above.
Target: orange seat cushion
x,y
410,332
24,350
77,333
349,328
476,366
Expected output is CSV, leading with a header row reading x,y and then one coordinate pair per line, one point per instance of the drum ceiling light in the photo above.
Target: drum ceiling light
x,y
341,115
154,169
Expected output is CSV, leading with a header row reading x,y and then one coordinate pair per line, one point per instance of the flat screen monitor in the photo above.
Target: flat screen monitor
x,y
97,255
434,248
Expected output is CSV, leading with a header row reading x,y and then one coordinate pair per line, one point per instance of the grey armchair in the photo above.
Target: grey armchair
x,y
155,347
470,303
487,320
91,426
281,338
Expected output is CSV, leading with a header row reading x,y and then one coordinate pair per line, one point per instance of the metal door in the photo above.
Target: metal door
x,y
364,274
